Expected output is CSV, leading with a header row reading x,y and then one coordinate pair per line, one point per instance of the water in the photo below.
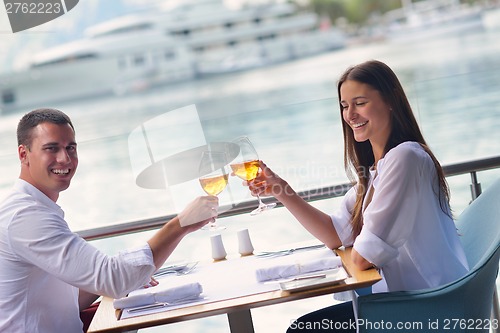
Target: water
x,y
290,111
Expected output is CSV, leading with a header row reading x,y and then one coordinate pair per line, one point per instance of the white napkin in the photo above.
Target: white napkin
x,y
296,264
169,295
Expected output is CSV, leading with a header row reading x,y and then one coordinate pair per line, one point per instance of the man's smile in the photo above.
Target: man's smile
x,y
61,171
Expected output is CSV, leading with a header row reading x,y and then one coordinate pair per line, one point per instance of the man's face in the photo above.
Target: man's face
x,y
51,161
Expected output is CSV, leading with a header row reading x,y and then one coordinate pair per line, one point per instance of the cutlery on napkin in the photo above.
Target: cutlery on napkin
x,y
170,295
278,253
285,267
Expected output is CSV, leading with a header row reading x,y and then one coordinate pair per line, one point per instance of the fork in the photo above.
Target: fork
x,y
158,305
183,271
269,254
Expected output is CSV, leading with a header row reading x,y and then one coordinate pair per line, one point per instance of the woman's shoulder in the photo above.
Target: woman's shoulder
x,y
407,149
408,153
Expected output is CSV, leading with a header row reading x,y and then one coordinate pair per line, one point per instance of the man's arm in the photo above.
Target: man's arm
x,y
193,217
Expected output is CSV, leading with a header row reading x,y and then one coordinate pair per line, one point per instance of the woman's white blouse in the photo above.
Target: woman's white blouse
x,y
405,233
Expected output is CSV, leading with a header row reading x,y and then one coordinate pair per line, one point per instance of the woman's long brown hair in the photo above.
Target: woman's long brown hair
x,y
358,156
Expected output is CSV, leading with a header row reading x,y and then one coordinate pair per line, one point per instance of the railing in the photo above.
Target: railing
x,y
471,167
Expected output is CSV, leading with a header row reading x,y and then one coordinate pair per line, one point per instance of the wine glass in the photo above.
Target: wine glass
x,y
246,166
213,177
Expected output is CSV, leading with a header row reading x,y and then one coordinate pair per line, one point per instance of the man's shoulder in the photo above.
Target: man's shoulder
x,y
18,198
19,204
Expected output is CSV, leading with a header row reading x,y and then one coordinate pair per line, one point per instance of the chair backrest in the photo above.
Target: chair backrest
x,y
479,226
468,299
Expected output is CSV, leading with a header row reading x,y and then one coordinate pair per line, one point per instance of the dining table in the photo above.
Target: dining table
x,y
233,299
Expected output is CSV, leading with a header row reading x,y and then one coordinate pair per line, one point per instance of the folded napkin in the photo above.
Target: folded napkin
x,y
292,265
169,295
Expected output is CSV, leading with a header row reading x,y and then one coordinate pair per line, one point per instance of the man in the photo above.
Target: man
x,y
47,273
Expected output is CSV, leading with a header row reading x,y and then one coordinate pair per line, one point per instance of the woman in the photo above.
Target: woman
x,y
397,215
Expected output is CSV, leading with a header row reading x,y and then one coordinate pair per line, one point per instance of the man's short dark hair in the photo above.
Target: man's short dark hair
x,y
36,117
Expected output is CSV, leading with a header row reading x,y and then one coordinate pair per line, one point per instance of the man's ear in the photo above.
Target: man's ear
x,y
22,152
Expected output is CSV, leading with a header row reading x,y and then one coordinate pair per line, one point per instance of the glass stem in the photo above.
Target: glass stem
x,y
260,201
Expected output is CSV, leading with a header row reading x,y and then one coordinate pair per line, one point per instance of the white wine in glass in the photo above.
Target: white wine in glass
x,y
213,185
213,177
246,167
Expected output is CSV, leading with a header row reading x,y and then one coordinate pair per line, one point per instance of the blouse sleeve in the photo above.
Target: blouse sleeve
x,y
390,216
43,239
342,217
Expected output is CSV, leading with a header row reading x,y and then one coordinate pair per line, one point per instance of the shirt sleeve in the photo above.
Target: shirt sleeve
x,y
390,216
342,217
42,238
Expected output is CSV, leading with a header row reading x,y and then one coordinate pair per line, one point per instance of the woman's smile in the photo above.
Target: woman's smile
x,y
358,125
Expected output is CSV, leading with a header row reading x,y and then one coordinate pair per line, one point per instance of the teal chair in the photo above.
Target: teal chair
x,y
464,305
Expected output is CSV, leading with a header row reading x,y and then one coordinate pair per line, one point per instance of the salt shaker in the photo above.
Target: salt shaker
x,y
218,250
245,246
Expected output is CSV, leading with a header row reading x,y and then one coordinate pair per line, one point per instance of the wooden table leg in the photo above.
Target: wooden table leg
x,y
240,321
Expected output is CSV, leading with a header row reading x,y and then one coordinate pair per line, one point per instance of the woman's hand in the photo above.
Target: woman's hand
x,y
267,183
319,224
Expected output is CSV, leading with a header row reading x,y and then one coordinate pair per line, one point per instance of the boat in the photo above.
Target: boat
x,y
491,19
431,18
133,53
93,67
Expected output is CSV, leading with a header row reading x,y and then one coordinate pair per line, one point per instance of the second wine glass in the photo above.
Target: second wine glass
x,y
246,167
213,177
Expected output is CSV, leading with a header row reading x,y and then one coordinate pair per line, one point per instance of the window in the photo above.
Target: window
x,y
8,97
139,60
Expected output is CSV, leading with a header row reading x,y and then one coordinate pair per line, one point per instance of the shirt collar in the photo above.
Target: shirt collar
x,y
27,188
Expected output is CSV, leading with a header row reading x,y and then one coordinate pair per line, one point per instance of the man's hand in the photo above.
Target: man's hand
x,y
152,283
201,209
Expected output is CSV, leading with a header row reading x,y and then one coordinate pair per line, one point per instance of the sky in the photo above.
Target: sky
x,y
16,47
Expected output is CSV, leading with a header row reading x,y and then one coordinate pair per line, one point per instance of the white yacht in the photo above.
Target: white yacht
x,y
431,18
135,52
491,18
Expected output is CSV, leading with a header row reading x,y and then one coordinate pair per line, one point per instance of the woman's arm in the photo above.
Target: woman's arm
x,y
318,223
359,261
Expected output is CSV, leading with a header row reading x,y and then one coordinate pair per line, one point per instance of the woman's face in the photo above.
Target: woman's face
x,y
364,110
